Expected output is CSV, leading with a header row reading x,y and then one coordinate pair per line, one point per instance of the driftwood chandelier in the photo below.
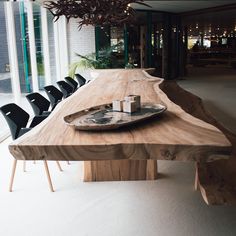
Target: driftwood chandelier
x,y
94,12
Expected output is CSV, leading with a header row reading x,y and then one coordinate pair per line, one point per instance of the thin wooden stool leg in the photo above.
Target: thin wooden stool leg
x,y
12,175
59,166
24,166
48,176
196,182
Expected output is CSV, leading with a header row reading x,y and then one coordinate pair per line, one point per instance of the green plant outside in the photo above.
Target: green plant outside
x,y
104,59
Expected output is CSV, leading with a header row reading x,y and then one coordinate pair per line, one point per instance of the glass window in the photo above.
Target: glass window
x,y
51,48
22,34
111,44
117,44
39,45
6,95
22,44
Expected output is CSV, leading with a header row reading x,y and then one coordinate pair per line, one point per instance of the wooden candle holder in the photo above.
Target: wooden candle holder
x,y
117,105
129,106
136,99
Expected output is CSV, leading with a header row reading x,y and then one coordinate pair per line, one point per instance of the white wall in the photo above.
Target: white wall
x,y
80,41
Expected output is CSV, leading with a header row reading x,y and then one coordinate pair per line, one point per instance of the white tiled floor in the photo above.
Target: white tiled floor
x,y
166,207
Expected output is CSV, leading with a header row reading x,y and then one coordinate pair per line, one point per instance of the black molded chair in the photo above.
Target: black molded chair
x,y
55,95
72,83
39,104
17,120
81,80
66,89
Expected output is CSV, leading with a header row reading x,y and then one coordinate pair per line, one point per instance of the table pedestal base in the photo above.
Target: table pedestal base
x,y
120,170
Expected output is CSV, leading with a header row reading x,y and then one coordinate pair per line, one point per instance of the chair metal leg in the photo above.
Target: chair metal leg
x,y
12,175
24,166
48,176
59,166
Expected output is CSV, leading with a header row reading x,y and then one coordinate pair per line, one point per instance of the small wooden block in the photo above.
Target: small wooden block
x,y
129,106
135,98
117,105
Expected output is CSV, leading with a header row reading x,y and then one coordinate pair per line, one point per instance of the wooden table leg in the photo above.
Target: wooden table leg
x,y
120,170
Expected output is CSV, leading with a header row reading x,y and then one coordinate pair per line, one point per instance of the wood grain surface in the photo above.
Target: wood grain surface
x,y
177,135
120,170
215,180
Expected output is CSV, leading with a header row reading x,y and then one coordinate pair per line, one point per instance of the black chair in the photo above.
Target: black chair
x,y
39,104
17,120
66,89
55,95
72,83
81,80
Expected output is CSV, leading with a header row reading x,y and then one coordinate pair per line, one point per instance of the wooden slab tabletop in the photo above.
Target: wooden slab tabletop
x,y
176,135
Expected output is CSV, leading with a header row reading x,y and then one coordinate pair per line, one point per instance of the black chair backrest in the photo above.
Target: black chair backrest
x,y
66,89
16,118
54,95
38,102
81,80
71,82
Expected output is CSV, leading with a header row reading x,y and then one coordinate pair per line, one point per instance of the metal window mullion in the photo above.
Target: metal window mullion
x,y
45,39
63,46
57,50
12,50
24,44
33,59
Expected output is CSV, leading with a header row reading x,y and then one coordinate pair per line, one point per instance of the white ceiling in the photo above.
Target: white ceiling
x,y
178,6
181,6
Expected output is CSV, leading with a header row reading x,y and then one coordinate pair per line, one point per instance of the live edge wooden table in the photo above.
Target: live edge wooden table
x,y
185,132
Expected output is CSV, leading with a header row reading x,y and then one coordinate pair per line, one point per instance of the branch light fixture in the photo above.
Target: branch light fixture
x,y
94,12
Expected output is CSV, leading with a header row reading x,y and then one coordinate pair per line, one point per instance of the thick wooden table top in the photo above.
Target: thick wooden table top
x,y
176,135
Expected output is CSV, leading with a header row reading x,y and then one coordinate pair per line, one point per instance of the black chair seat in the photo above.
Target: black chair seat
x,y
46,113
81,80
38,102
37,120
72,83
65,88
55,95
23,131
17,119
